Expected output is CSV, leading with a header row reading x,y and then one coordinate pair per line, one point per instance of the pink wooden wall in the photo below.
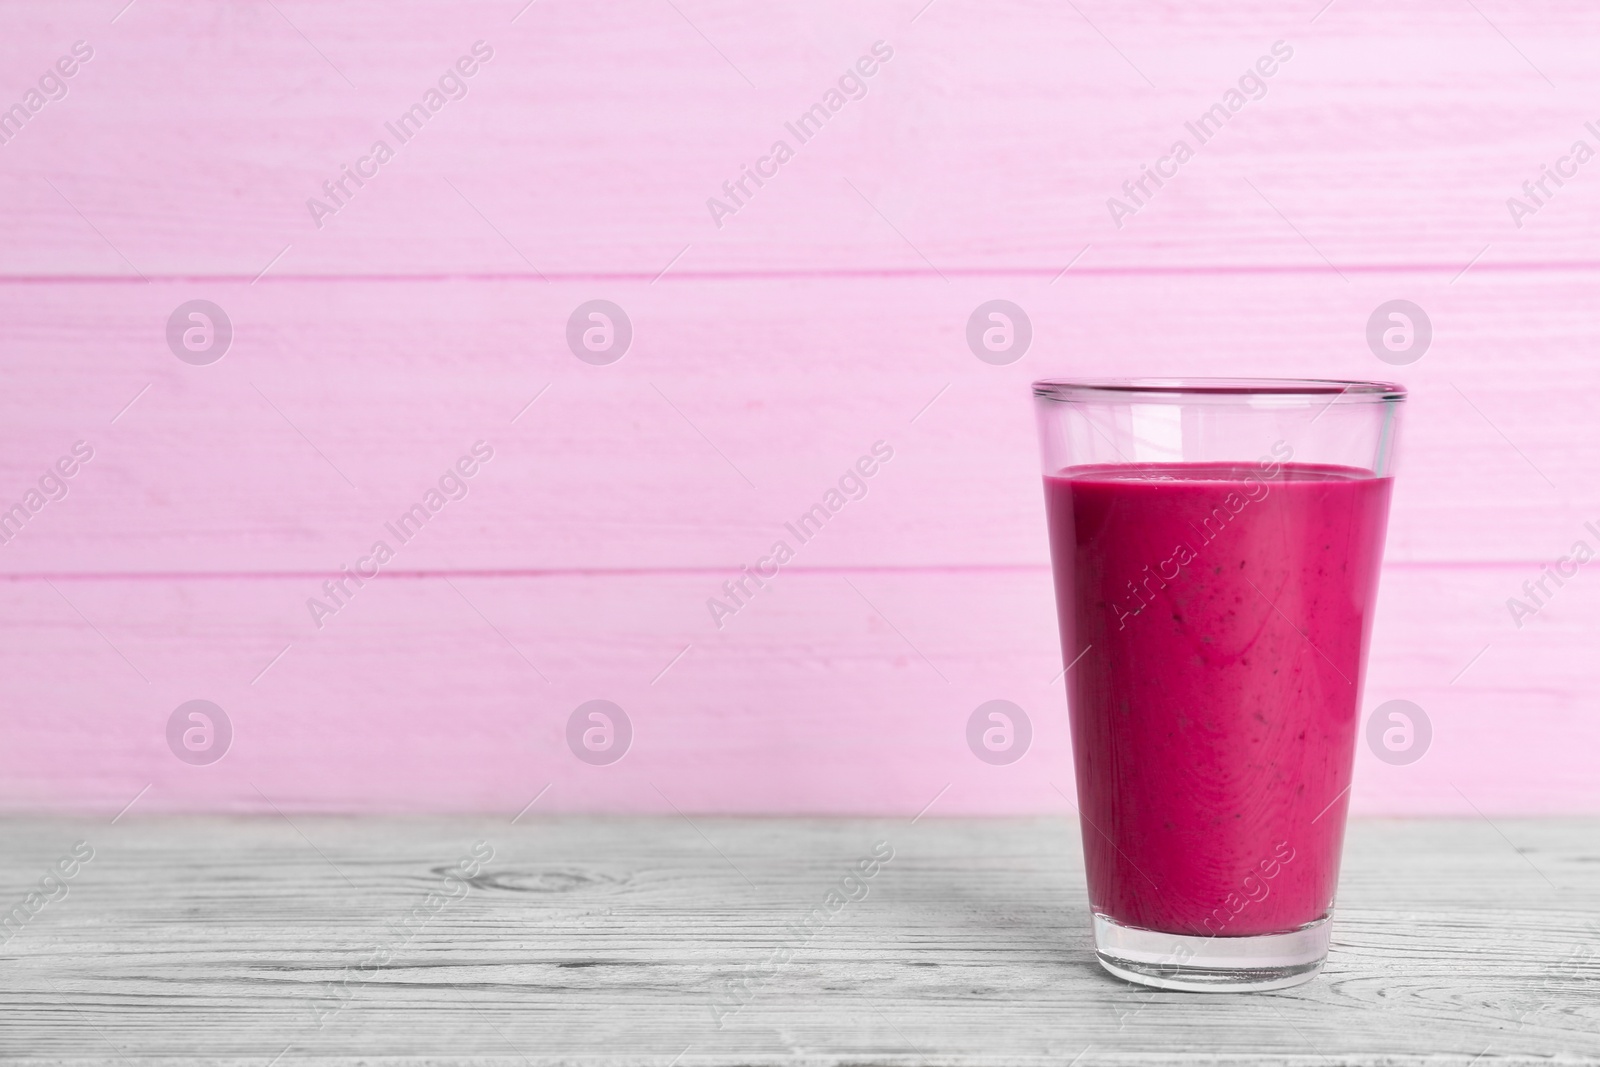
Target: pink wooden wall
x,y
768,354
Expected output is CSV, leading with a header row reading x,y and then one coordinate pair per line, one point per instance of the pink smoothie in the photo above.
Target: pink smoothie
x,y
1226,610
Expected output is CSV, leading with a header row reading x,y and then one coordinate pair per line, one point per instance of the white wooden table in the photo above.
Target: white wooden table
x,y
619,941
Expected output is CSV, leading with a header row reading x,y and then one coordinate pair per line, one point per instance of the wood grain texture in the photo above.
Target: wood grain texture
x,y
592,541
738,405
832,692
994,137
233,941
770,352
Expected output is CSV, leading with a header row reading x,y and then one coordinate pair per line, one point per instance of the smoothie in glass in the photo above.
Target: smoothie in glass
x,y
1225,609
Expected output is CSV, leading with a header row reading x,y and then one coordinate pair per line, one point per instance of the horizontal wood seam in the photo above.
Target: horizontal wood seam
x,y
627,572
908,273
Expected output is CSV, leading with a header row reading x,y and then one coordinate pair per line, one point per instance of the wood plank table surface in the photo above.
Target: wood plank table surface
x,y
698,940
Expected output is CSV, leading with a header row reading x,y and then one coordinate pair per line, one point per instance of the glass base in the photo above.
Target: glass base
x,y
1211,964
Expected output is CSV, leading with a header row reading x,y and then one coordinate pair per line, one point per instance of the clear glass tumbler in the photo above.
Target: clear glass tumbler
x,y
1216,545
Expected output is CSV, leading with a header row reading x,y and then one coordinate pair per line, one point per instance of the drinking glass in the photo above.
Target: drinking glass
x,y
1216,545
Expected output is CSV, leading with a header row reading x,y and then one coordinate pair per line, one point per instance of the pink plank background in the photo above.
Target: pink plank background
x,y
768,354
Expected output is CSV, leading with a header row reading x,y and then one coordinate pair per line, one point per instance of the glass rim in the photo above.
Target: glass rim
x,y
1159,390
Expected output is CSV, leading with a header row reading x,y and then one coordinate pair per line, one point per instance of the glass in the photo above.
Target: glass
x,y
1216,545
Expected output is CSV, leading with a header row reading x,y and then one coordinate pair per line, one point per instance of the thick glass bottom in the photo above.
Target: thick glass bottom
x,y
1211,964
